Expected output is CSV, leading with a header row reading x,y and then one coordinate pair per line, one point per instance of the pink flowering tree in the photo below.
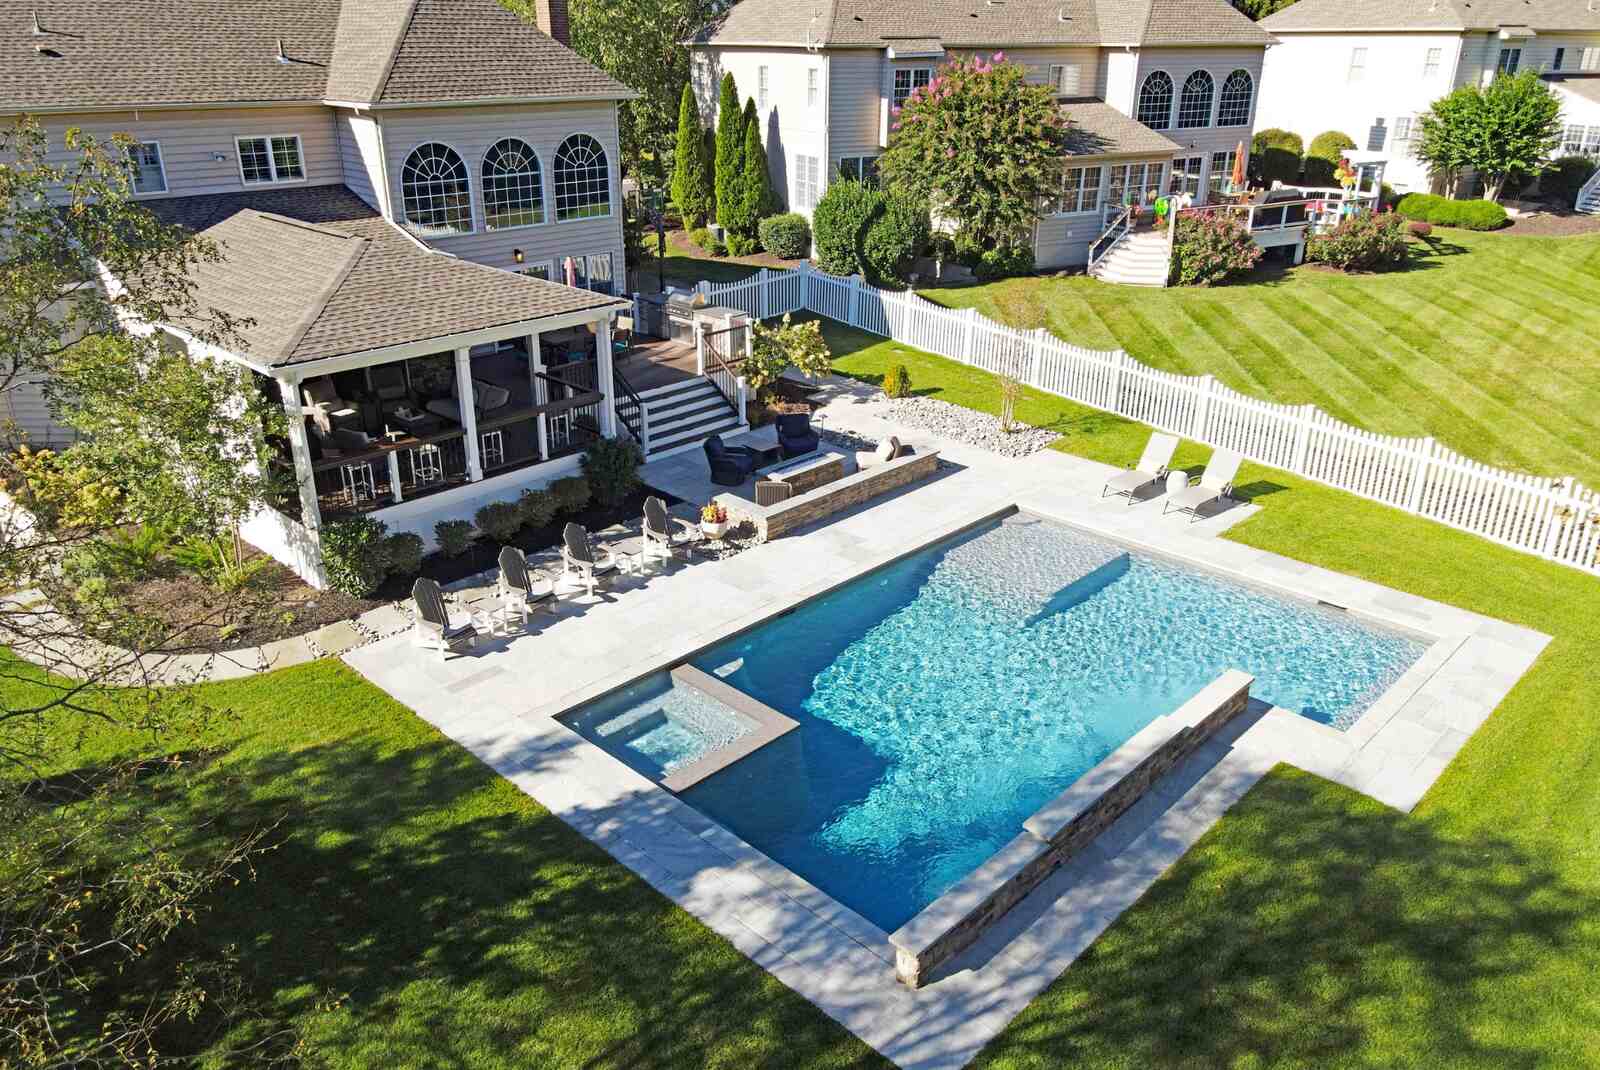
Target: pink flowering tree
x,y
983,147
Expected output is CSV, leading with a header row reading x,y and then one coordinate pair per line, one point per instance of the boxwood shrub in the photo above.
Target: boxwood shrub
x,y
571,493
787,235
402,553
1440,211
453,536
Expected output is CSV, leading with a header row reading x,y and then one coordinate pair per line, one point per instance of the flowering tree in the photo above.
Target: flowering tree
x,y
1514,124
982,146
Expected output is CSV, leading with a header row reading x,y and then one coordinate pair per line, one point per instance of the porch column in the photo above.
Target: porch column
x,y
603,373
469,412
300,450
538,392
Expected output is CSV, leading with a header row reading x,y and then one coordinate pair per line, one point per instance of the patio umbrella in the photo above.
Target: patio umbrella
x,y
1238,167
570,268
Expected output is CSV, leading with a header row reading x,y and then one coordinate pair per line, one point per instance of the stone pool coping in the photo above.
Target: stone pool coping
x,y
770,725
812,944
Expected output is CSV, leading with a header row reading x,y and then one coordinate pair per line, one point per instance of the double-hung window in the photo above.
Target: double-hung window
x,y
1430,62
1358,65
1221,172
807,180
1065,79
1185,176
863,169
1589,60
813,94
1510,60
1080,190
145,169
1560,57
908,80
270,159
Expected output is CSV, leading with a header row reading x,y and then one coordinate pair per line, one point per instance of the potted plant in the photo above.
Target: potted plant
x,y
713,520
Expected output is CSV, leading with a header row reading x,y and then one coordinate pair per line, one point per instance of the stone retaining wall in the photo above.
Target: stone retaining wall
x,y
771,521
1062,828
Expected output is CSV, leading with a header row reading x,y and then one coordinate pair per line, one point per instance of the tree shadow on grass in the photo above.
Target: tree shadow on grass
x,y
1317,927
453,922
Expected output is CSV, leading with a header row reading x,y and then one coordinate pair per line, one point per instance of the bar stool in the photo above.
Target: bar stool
x,y
360,485
492,449
427,465
560,427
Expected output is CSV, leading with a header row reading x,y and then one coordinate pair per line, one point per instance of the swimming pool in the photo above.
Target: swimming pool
x,y
945,698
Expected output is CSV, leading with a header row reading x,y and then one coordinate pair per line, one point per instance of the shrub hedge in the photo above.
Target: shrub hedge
x,y
787,235
1211,249
1472,215
354,554
453,536
1275,156
571,493
402,553
1323,156
1371,241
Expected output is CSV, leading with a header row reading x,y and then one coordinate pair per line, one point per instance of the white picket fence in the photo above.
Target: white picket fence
x,y
1557,519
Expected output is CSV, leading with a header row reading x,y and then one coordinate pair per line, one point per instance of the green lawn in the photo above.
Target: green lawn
x,y
686,265
1489,342
1311,928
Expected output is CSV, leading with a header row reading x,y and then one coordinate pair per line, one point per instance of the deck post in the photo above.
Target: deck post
x,y
699,347
394,476
537,392
300,450
605,381
466,404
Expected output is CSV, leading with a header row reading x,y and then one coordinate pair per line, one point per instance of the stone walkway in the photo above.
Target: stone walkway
x,y
501,705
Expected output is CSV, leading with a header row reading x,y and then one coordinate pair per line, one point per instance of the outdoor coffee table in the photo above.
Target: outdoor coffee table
x,y
491,615
763,440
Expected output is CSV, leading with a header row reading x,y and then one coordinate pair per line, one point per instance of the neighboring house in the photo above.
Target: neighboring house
x,y
1160,93
1369,68
399,188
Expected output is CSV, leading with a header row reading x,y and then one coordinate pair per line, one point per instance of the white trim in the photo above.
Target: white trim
x,y
473,207
161,165
612,181
546,201
272,160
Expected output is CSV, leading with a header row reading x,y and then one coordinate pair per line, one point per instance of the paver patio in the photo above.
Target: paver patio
x,y
501,705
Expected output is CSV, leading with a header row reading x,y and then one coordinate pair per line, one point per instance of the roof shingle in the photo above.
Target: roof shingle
x,y
321,274
1540,15
96,54
1098,129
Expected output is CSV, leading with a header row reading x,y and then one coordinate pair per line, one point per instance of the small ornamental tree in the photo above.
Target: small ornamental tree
x,y
691,184
980,145
755,198
1512,125
791,344
730,150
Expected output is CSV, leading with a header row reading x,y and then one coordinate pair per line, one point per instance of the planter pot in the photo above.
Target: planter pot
x,y
713,531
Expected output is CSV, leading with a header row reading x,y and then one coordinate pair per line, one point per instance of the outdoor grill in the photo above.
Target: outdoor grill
x,y
680,308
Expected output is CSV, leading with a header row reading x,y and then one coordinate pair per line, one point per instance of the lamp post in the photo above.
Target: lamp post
x,y
656,205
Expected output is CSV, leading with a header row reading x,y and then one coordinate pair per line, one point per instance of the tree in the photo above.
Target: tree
x,y
1260,9
756,201
691,180
1511,125
1327,149
730,151
980,145
97,875
839,225
773,350
639,43
1275,156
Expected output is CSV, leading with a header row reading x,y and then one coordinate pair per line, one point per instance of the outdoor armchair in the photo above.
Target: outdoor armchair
x,y
730,465
435,626
796,438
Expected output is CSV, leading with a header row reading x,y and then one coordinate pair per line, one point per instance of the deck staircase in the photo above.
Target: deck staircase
x,y
1138,259
1589,196
685,414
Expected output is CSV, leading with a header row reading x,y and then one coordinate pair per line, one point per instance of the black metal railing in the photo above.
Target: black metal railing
x,y
360,482
630,407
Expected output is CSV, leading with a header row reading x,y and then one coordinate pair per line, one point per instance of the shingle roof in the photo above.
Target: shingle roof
x,y
1098,129
1541,15
1586,86
100,53
321,274
971,23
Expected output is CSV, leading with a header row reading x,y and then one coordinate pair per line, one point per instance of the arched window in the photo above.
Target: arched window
x,y
1194,108
434,191
513,187
1155,101
583,179
1235,107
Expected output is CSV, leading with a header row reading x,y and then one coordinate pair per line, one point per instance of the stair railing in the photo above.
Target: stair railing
x,y
1590,188
630,409
1108,239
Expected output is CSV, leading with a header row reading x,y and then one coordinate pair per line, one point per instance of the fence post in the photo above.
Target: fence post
x,y
761,285
1039,336
699,347
1114,402
967,334
1419,474
855,300
805,286
1202,408
1302,439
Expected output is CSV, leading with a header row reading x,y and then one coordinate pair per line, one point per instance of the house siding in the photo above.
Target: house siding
x,y
790,126
471,132
191,140
1219,62
361,155
857,104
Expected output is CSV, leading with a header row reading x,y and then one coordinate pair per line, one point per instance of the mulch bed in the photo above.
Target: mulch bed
x,y
1554,223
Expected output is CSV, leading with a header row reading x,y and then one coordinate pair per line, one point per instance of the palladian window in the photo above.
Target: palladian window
x,y
434,191
513,186
583,179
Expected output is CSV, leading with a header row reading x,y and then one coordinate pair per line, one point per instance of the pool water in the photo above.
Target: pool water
x,y
944,699
657,727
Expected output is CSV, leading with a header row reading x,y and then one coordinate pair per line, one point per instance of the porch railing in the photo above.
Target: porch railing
x,y
630,408
359,482
719,349
1115,231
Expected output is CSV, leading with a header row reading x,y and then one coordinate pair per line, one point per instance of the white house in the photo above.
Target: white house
x,y
1160,93
1368,68
418,206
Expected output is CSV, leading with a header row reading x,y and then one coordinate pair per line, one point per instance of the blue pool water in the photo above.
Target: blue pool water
x,y
657,728
943,699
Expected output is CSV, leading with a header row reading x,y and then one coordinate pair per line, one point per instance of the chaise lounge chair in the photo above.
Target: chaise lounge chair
x,y
659,536
579,556
1215,483
1152,467
435,627
521,587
